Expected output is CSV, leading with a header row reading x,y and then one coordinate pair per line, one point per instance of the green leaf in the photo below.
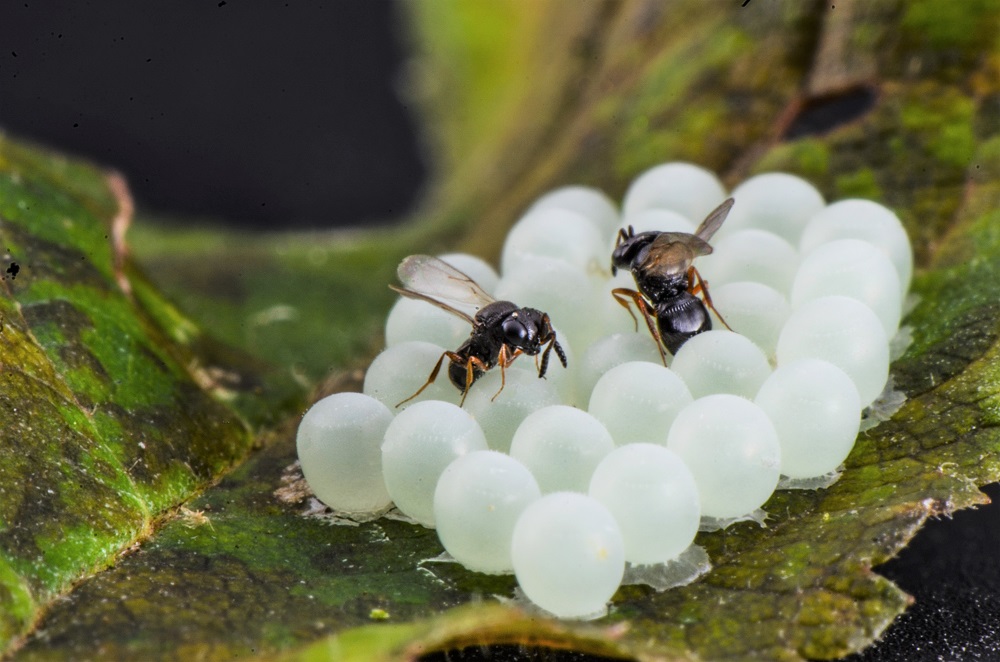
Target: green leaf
x,y
103,424
251,567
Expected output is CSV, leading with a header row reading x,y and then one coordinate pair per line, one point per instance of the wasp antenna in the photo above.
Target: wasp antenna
x,y
545,362
561,353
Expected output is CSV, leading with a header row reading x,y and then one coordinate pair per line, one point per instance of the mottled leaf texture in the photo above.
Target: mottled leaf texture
x,y
891,100
106,419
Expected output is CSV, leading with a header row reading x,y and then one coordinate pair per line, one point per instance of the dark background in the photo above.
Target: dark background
x,y
284,115
256,114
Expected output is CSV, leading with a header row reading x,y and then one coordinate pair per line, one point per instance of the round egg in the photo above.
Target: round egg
x,y
844,332
686,188
637,401
775,201
568,555
477,502
401,370
753,310
721,361
732,449
410,319
614,350
610,315
418,444
555,287
553,233
656,219
590,202
561,445
500,412
654,499
856,269
816,411
339,446
867,220
754,255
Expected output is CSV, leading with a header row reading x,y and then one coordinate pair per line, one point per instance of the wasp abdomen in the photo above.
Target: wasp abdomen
x,y
681,319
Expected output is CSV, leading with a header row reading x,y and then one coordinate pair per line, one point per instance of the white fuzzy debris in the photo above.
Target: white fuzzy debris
x,y
443,557
900,342
709,524
686,568
883,407
812,483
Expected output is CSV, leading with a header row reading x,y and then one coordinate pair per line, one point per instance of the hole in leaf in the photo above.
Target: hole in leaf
x,y
825,113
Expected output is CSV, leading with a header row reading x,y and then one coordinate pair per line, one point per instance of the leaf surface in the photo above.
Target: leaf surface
x,y
103,423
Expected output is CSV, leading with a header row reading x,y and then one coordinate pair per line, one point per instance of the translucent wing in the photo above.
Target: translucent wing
x,y
714,220
673,252
429,279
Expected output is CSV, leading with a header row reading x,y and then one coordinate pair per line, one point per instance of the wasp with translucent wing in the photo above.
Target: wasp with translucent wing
x,y
667,282
501,330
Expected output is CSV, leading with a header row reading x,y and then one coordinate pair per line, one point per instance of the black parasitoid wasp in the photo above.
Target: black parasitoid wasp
x,y
661,264
501,330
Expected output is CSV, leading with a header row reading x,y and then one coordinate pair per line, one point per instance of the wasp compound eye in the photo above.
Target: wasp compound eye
x,y
516,332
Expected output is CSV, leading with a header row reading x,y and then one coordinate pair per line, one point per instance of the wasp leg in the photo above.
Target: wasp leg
x,y
506,360
470,375
455,358
503,361
702,288
538,368
619,293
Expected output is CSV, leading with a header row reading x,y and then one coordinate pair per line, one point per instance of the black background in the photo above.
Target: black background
x,y
279,115
260,114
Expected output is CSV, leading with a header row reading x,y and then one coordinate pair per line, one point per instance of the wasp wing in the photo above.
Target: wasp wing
x,y
714,220
430,279
673,252
411,294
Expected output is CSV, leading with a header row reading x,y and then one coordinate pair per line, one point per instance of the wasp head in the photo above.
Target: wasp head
x,y
521,330
630,249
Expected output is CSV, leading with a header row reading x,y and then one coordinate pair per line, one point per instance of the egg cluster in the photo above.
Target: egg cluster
x,y
616,459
